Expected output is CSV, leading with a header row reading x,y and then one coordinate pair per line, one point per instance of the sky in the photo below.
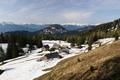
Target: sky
x,y
59,11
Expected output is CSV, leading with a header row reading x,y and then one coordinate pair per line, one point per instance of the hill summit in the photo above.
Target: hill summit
x,y
53,29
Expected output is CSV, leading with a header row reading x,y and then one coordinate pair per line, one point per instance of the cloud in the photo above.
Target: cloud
x,y
7,2
57,11
96,4
104,4
76,16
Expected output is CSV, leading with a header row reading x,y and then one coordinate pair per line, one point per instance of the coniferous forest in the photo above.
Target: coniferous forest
x,y
16,41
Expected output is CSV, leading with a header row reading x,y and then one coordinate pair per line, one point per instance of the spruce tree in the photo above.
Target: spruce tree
x,y
12,50
2,40
90,42
39,44
31,47
116,36
9,53
92,38
2,55
80,41
89,46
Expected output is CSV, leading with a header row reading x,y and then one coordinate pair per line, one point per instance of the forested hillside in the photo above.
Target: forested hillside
x,y
110,29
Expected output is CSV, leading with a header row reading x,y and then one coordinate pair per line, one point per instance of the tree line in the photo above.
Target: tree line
x,y
18,41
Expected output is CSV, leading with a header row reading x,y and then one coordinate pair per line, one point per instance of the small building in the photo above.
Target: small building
x,y
56,46
53,55
65,46
66,50
50,56
45,48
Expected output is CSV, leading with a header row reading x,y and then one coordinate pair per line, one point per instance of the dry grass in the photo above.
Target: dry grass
x,y
48,69
100,64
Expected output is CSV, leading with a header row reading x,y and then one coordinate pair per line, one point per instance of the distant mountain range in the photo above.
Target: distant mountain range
x,y
11,27
67,29
56,28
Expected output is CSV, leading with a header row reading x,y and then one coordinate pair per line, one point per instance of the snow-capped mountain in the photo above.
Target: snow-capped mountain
x,y
53,29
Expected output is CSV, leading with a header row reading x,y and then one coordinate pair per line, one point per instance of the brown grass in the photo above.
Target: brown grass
x,y
48,69
100,64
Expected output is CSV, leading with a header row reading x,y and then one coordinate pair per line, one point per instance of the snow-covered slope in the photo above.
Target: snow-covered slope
x,y
4,46
51,42
28,68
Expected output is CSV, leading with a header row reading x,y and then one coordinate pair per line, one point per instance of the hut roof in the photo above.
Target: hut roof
x,y
53,55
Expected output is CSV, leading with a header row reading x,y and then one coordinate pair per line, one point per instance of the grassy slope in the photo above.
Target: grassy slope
x,y
100,64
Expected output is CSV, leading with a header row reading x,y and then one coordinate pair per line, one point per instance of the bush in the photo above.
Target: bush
x,y
1,71
52,49
90,47
2,55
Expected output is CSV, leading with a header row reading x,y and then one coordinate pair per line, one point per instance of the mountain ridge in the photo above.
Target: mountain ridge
x,y
11,27
53,29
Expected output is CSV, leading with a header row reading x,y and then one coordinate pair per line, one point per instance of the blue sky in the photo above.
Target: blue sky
x,y
59,11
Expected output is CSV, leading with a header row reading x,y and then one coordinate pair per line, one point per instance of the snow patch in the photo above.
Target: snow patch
x,y
27,67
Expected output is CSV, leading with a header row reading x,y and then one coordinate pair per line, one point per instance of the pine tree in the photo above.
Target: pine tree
x,y
2,40
89,46
31,47
2,55
12,51
22,41
90,42
39,44
116,36
80,41
91,39
9,53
